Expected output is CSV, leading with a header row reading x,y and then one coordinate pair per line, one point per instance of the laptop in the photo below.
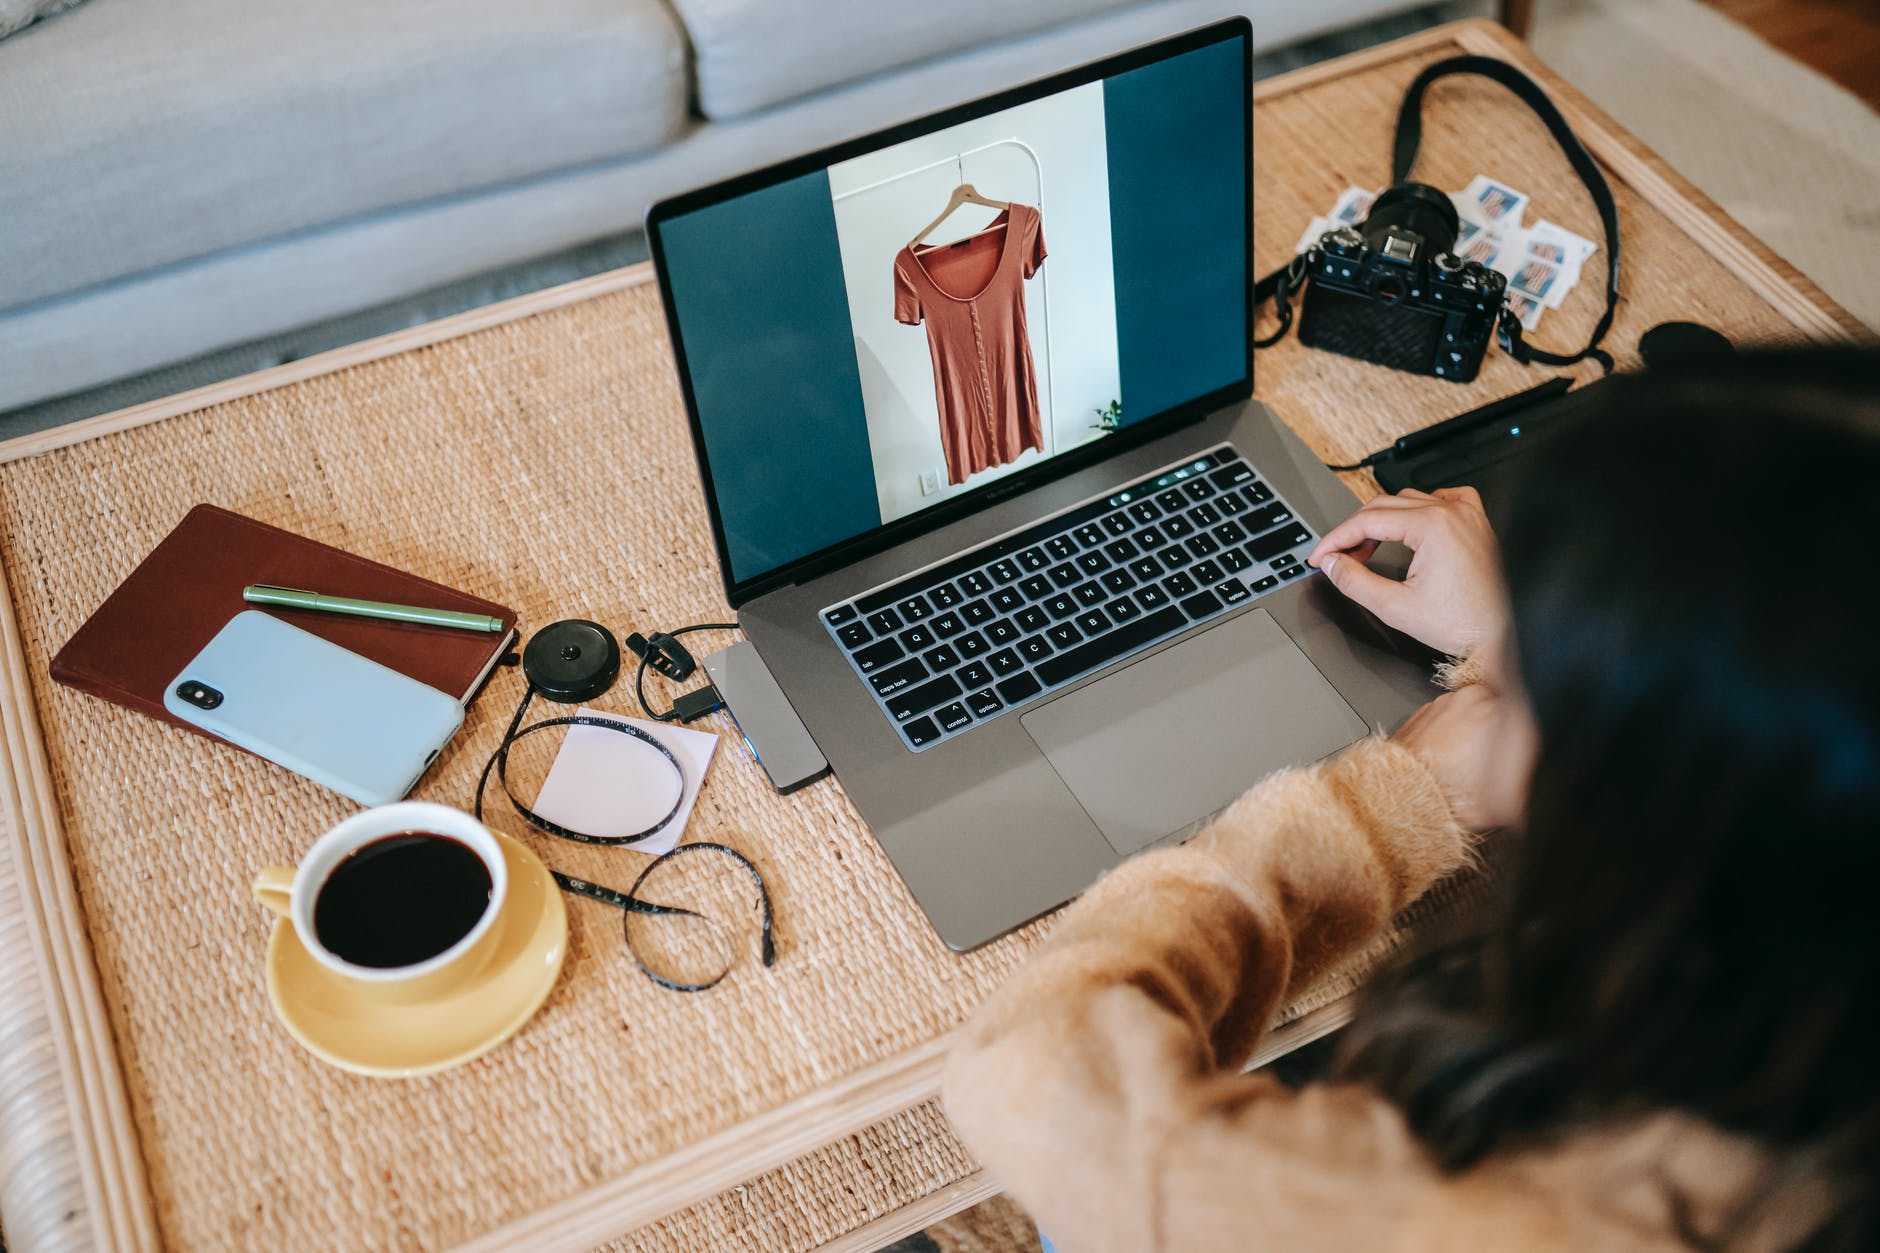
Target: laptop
x,y
972,403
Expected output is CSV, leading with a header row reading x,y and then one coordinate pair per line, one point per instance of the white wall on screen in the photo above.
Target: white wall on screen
x,y
1049,153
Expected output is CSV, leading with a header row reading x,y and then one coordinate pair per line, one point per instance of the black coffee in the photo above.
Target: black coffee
x,y
401,898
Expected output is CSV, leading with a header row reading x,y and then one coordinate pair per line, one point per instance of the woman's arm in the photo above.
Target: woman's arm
x,y
1122,1038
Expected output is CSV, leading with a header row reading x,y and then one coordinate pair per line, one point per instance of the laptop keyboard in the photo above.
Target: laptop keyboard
x,y
998,627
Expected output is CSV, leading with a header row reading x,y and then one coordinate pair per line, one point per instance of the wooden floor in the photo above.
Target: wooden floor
x,y
1837,38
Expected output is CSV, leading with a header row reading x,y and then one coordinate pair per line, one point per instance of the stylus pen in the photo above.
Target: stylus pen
x,y
292,598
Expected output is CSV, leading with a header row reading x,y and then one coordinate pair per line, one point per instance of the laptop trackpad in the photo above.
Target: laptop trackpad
x,y
1158,746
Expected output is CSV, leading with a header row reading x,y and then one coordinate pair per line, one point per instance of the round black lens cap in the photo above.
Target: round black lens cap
x,y
1682,343
572,660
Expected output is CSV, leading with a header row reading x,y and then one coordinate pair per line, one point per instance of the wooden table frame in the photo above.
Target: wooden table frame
x,y
88,1127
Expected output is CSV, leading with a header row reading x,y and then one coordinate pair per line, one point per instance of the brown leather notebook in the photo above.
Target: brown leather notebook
x,y
191,584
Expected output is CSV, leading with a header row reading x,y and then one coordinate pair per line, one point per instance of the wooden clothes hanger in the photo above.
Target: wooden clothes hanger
x,y
964,194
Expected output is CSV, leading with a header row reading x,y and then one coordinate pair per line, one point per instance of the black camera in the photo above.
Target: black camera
x,y
200,695
1393,292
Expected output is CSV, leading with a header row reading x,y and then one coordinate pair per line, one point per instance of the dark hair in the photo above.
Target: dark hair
x,y
1690,921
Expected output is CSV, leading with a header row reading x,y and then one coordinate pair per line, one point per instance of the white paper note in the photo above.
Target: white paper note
x,y
607,784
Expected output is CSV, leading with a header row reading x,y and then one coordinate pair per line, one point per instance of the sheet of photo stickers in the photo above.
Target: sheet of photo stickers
x,y
1541,262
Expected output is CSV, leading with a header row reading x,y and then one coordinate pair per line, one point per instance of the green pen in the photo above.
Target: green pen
x,y
292,598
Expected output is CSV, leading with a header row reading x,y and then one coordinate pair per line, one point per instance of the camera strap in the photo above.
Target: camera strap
x,y
1281,283
1403,159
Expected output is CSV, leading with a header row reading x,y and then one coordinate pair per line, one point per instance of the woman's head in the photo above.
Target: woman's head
x,y
1693,916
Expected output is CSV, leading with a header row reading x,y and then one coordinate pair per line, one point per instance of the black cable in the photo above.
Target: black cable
x,y
695,704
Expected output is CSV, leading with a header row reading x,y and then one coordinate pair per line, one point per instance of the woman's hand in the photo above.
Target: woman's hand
x,y
1452,598
1480,745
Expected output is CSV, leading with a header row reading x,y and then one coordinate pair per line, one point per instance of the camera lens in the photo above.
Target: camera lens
x,y
1413,209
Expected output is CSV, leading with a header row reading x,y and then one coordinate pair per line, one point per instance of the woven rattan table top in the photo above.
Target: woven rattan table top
x,y
537,453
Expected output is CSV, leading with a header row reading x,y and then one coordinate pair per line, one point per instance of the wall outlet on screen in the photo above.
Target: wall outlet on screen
x,y
929,482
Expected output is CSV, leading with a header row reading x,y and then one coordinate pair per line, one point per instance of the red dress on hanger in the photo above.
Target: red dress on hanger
x,y
971,295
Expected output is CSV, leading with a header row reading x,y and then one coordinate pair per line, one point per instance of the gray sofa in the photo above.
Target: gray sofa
x,y
180,177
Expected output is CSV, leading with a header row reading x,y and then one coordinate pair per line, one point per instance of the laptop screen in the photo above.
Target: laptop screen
x,y
876,338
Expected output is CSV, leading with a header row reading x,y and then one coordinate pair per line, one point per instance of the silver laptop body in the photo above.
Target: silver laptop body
x,y
1000,792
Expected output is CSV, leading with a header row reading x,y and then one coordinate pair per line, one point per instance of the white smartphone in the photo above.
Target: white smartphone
x,y
340,719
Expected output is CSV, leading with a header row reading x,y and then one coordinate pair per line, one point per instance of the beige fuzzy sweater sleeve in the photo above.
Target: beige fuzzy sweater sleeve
x,y
1102,1083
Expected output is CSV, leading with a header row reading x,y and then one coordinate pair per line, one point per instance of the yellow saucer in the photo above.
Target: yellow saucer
x,y
326,1013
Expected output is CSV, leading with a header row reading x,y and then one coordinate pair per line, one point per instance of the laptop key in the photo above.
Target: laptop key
x,y
1037,587
916,638
1231,503
1107,648
1145,568
1093,622
1064,574
854,635
948,624
1198,489
1122,609
1204,545
976,674
1090,535
1121,550
877,655
1267,516
921,732
1118,581
1292,572
1032,618
1233,474
1266,584
1175,556
1274,542
839,615
1115,523
1033,559
1064,635
883,621
1006,599
976,612
1149,538
1235,560
1257,493
1176,527
1201,604
976,584
1233,591
941,658
1144,511
1004,631
945,596
953,717
1089,594
1019,687
905,675
1179,584
1230,533
1062,547
1005,661
1204,515
1092,562
1063,605
971,644
985,704
1004,570
1152,597
1172,501
1207,572
1037,648
914,609
918,700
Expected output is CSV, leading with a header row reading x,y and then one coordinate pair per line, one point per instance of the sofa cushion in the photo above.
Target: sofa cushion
x,y
750,54
137,135
17,13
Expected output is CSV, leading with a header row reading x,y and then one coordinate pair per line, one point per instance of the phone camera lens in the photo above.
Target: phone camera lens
x,y
200,695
